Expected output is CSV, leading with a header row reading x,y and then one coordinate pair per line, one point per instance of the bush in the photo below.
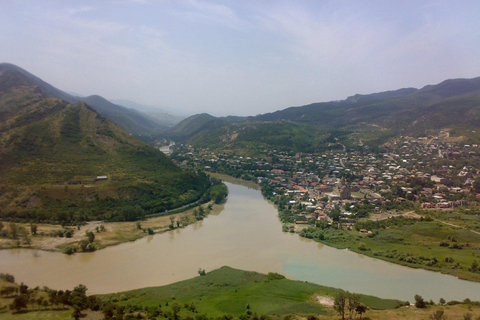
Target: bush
x,y
68,233
419,302
69,250
7,277
275,276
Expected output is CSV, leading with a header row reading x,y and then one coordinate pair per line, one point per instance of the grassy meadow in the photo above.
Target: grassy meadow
x,y
431,245
234,292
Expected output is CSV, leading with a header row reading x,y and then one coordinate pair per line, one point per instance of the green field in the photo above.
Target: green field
x,y
229,294
430,245
229,291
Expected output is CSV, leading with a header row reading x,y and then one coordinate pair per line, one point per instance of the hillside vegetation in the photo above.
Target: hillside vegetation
x,y
228,291
52,153
132,121
224,293
453,106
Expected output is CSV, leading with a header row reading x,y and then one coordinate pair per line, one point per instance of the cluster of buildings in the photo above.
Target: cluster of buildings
x,y
415,171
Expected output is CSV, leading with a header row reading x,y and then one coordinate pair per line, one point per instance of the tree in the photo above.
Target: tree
x,y
68,233
361,309
339,304
83,244
7,277
19,302
353,301
90,236
76,313
79,300
23,288
419,302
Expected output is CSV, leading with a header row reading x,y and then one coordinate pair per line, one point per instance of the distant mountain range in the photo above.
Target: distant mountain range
x,y
131,119
62,160
451,106
165,116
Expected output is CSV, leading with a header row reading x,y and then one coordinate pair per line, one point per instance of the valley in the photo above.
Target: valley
x,y
414,204
387,176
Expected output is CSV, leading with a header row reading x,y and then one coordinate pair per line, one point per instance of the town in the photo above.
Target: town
x,y
411,173
414,202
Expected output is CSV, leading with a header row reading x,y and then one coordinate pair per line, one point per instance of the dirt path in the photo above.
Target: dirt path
x,y
456,226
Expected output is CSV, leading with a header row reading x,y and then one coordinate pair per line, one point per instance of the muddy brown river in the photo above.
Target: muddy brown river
x,y
247,235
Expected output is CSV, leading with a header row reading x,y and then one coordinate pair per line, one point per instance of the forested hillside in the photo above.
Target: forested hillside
x,y
65,162
452,107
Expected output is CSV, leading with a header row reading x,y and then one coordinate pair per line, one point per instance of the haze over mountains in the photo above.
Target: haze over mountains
x,y
53,149
130,118
452,107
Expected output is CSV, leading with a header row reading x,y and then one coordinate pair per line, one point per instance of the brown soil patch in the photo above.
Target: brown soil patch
x,y
325,300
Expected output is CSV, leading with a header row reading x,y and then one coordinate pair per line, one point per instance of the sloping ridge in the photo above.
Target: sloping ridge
x,y
451,104
133,121
52,152
130,120
373,107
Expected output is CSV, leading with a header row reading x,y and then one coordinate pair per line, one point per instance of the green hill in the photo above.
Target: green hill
x,y
52,152
133,121
453,105
130,120
227,291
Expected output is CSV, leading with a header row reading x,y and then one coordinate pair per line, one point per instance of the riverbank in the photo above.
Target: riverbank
x,y
246,235
416,243
50,237
420,241
229,292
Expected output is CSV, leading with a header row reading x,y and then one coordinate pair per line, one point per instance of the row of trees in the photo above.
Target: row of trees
x,y
42,299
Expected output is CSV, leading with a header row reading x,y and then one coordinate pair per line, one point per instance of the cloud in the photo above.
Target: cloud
x,y
330,38
253,56
218,14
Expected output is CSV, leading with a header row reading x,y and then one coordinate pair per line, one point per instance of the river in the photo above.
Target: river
x,y
247,235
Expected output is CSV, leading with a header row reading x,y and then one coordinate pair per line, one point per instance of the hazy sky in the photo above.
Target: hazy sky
x,y
241,57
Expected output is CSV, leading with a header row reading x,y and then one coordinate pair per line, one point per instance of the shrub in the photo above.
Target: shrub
x,y
69,250
419,302
7,277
